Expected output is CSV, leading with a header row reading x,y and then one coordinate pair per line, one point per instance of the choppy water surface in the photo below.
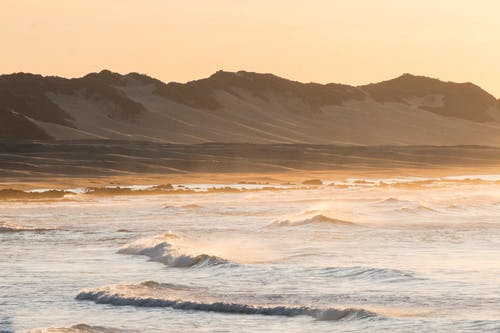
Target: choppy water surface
x,y
401,255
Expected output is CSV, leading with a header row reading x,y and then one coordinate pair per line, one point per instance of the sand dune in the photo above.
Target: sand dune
x,y
248,107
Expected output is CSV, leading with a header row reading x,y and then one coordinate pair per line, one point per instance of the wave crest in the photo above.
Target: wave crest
x,y
371,273
167,249
154,294
316,219
78,328
416,210
6,227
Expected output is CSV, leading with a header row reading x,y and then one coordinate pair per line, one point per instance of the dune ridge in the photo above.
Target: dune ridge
x,y
247,107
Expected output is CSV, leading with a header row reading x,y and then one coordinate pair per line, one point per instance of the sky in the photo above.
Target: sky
x,y
344,41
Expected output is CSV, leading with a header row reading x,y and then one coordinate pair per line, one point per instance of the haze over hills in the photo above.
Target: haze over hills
x,y
247,107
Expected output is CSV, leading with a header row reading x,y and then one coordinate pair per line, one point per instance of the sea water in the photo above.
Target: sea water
x,y
375,255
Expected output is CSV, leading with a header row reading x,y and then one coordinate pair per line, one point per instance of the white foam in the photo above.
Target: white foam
x,y
78,328
6,227
153,294
168,249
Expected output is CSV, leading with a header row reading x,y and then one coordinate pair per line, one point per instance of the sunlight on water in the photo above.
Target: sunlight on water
x,y
398,255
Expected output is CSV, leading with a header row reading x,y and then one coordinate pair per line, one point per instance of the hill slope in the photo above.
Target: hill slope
x,y
247,107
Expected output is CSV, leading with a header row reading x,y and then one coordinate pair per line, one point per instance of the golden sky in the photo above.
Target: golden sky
x,y
347,41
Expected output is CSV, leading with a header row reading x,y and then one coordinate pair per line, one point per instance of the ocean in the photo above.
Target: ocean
x,y
375,255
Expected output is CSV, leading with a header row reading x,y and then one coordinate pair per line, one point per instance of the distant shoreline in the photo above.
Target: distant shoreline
x,y
63,164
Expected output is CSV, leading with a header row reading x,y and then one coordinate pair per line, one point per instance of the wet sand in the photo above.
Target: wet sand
x,y
69,164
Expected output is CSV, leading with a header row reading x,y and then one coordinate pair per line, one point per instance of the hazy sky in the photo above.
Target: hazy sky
x,y
351,41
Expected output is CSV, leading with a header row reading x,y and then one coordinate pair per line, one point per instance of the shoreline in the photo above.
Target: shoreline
x,y
260,178
98,163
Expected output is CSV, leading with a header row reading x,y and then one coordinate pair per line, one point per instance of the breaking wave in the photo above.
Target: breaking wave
x,y
168,249
370,273
153,294
79,328
416,210
316,219
6,227
393,200
192,206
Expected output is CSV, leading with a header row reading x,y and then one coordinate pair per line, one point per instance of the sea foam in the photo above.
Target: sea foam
x,y
6,227
153,294
171,250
